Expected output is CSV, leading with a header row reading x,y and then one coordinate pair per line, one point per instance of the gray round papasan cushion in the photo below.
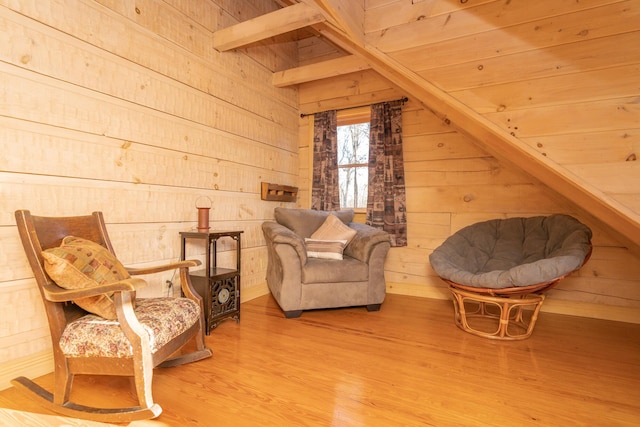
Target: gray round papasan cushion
x,y
504,253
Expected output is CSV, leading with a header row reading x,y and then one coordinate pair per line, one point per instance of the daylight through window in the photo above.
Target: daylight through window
x,y
353,157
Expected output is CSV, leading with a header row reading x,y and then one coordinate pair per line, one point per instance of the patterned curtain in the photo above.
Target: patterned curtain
x,y
325,194
386,204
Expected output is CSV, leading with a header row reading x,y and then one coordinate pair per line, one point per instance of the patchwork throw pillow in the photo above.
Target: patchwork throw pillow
x,y
326,249
334,229
79,263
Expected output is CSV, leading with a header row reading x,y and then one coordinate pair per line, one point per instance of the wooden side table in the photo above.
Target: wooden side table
x,y
219,287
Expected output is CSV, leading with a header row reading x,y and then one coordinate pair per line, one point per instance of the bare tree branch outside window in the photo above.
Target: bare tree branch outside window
x,y
353,164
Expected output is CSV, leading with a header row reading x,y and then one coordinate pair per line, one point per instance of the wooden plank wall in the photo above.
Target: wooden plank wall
x,y
520,65
556,74
124,107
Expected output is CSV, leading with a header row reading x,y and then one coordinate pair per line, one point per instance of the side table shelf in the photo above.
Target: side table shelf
x,y
219,287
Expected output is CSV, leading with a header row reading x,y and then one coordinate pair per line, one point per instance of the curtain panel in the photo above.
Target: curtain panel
x,y
386,205
386,200
325,192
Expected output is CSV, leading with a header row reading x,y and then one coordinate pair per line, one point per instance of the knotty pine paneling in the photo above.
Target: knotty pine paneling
x,y
30,335
418,121
50,150
51,196
440,146
601,291
592,147
463,20
305,153
127,109
587,86
383,14
536,63
202,70
471,171
469,44
521,198
60,104
315,49
349,90
429,229
620,113
601,174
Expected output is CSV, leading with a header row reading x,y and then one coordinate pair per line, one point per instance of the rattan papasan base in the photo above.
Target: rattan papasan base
x,y
498,270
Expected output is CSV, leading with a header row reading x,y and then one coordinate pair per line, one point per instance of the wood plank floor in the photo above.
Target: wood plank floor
x,y
406,365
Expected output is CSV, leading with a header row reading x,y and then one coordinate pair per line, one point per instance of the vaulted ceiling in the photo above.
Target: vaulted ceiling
x,y
342,23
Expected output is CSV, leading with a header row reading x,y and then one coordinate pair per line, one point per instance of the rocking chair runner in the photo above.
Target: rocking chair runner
x,y
145,334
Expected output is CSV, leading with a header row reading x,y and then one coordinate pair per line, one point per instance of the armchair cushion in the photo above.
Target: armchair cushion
x,y
329,271
78,263
162,318
304,222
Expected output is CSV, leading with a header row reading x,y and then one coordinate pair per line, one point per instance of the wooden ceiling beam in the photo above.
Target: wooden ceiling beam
x,y
346,15
272,24
321,70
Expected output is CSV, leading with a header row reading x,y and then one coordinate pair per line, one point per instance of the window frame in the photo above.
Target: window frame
x,y
354,116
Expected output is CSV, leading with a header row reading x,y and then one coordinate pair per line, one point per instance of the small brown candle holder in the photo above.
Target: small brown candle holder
x,y
203,204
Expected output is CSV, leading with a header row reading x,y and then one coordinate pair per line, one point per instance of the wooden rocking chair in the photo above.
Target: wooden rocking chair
x,y
144,333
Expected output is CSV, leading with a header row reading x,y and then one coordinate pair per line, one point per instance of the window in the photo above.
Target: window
x,y
353,157
339,165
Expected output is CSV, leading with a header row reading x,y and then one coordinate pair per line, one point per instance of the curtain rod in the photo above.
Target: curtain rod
x,y
403,99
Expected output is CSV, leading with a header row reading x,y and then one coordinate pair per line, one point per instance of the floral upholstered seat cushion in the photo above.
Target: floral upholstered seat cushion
x,y
162,318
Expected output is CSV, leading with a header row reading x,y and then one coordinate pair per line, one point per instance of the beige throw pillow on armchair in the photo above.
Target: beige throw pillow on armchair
x,y
330,239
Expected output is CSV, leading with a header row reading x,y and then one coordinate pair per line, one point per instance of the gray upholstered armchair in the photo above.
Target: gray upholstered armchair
x,y
307,271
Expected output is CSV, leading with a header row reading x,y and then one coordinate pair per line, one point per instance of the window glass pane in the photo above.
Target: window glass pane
x,y
353,144
354,185
353,163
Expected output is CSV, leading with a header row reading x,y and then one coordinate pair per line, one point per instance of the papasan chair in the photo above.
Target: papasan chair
x,y
498,270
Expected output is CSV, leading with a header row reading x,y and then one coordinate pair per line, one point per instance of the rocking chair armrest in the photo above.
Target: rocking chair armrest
x,y
134,271
55,293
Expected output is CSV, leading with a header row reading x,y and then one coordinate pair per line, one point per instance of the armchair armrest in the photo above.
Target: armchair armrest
x,y
363,243
55,293
279,234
